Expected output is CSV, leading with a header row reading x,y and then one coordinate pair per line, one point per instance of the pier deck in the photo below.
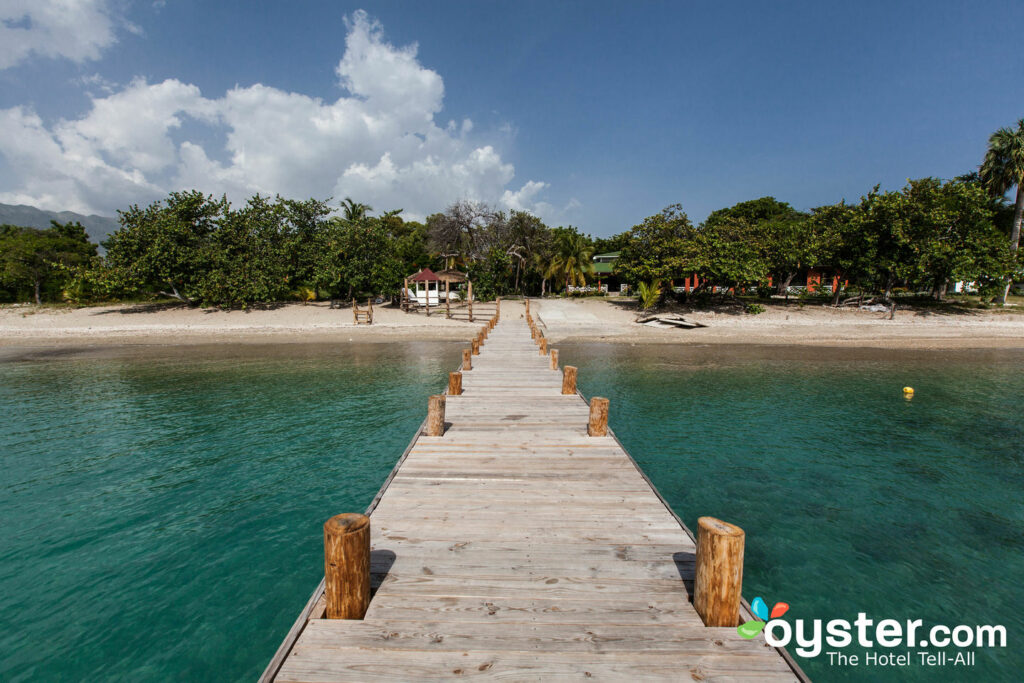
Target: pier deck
x,y
515,546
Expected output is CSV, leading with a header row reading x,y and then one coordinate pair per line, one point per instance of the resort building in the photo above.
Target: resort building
x,y
604,271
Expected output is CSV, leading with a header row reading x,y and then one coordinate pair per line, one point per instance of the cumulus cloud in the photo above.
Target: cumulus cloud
x,y
379,143
75,29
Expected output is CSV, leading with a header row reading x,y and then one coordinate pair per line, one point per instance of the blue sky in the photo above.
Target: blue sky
x,y
592,113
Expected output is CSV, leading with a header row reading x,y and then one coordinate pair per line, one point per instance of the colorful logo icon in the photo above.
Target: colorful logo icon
x,y
760,610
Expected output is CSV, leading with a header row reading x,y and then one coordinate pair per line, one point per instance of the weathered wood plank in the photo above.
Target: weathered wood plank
x,y
517,546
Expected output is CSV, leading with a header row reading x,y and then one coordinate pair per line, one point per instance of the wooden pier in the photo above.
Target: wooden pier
x,y
519,546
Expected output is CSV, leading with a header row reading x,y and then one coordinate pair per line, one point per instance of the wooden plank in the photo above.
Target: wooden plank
x,y
517,546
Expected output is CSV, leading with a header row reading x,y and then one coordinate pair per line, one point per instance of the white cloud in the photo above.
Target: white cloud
x,y
75,29
379,143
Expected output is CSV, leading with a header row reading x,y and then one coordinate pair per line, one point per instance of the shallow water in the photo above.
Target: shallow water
x,y
853,499
162,506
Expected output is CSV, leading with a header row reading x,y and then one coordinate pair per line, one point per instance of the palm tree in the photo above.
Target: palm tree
x,y
648,294
1002,169
571,259
353,210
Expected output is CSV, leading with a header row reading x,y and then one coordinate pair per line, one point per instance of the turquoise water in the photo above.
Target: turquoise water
x,y
163,510
162,507
853,498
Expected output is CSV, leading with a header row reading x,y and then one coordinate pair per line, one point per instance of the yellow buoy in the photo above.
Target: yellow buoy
x,y
908,391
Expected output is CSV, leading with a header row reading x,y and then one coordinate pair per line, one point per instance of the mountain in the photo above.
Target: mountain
x,y
97,227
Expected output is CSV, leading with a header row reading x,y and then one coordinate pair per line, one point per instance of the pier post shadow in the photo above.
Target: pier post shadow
x,y
381,561
686,565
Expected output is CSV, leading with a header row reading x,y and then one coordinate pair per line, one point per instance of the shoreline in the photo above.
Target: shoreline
x,y
563,321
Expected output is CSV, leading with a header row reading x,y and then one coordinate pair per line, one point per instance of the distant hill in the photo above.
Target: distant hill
x,y
97,227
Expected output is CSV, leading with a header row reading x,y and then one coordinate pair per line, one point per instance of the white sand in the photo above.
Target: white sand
x,y
575,320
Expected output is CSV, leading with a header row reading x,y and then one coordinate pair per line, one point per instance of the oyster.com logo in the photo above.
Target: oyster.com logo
x,y
909,641
750,629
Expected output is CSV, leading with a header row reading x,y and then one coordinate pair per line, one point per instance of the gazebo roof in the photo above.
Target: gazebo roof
x,y
450,275
425,275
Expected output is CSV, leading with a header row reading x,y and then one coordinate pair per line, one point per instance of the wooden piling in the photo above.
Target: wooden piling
x,y
435,415
554,359
347,566
543,346
454,383
569,380
718,582
598,425
476,346
467,359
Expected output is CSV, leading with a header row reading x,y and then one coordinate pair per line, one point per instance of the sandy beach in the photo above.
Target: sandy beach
x,y
586,320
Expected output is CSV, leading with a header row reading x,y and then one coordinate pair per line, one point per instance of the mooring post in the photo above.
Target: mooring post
x,y
569,380
435,415
554,359
347,566
598,425
543,346
467,359
454,383
476,346
718,582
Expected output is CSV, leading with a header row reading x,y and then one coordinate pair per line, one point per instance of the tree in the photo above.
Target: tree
x,y
571,259
1003,169
354,211
490,275
359,258
527,235
470,229
659,248
161,247
953,232
780,235
32,258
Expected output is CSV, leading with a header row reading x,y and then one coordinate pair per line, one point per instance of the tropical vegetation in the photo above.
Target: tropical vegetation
x,y
202,250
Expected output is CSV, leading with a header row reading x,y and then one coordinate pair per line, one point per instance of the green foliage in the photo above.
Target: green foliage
x,y
199,250
571,258
663,246
36,263
1001,170
649,294
491,275
359,258
755,309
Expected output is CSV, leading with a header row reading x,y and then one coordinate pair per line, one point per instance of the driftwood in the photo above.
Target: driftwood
x,y
669,319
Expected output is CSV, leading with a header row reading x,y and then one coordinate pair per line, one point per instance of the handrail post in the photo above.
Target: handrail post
x,y
598,424
569,380
718,582
347,566
435,415
454,383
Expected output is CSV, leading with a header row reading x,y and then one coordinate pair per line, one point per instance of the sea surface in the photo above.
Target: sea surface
x,y
162,506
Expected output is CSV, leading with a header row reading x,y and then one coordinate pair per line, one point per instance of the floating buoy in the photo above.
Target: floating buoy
x,y
908,392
